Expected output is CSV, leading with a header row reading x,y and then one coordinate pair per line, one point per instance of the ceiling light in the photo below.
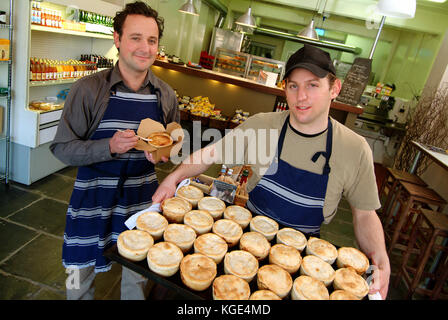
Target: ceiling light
x,y
309,32
404,9
247,19
189,8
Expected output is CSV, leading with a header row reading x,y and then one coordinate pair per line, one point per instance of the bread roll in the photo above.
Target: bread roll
x,y
241,264
347,279
292,237
264,225
164,258
213,205
211,245
240,215
153,223
230,287
175,208
308,288
134,244
274,278
286,257
181,235
322,249
200,220
318,269
229,230
190,193
351,257
197,271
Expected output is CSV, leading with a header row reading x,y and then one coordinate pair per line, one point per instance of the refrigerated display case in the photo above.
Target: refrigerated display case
x,y
245,65
258,64
231,62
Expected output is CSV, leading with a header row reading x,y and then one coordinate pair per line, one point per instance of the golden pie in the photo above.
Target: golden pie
x,y
200,220
229,230
286,257
308,288
241,264
230,287
255,243
318,269
347,279
292,237
342,295
274,278
322,249
351,257
164,258
264,295
240,215
181,235
160,139
213,205
153,223
190,193
211,245
197,271
264,225
175,208
134,244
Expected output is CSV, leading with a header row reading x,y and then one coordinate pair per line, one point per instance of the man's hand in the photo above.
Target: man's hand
x,y
122,141
150,158
370,236
165,190
381,276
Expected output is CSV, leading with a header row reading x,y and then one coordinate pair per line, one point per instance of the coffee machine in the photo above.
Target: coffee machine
x,y
399,111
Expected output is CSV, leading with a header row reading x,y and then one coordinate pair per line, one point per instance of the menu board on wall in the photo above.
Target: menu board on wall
x,y
355,81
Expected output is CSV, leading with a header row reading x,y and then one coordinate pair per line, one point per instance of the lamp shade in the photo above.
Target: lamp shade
x,y
247,19
189,8
404,9
309,32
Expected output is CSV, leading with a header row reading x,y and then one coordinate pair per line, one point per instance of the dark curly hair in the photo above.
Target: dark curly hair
x,y
140,8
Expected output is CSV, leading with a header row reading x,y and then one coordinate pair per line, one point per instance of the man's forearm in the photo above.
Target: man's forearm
x,y
197,163
369,232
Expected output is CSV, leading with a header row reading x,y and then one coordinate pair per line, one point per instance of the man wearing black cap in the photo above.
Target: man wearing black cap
x,y
317,161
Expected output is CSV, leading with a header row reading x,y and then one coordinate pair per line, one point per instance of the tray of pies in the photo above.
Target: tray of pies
x,y
203,248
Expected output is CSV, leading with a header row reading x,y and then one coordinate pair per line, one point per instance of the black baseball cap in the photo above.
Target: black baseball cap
x,y
311,58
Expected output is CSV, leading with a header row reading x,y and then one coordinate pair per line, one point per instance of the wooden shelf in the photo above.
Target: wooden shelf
x,y
70,32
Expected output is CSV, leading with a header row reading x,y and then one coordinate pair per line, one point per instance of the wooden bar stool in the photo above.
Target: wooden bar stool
x,y
411,198
389,187
430,229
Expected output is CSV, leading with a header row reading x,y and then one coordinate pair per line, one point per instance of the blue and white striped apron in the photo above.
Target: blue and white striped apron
x,y
107,193
292,196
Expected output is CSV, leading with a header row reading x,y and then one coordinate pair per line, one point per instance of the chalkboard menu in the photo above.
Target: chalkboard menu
x,y
355,81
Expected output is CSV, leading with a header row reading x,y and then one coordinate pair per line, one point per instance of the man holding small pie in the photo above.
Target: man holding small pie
x,y
317,161
97,133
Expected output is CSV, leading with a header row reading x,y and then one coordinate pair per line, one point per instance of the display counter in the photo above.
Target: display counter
x,y
230,93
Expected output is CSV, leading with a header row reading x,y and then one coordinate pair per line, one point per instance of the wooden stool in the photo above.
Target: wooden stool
x,y
390,187
428,229
411,198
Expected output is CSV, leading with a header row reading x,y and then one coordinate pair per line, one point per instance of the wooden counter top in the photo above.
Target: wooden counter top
x,y
245,83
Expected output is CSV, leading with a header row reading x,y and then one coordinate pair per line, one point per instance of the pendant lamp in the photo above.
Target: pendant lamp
x,y
189,8
404,9
309,32
247,19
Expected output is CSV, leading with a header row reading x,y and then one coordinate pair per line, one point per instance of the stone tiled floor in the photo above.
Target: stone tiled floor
x,y
32,220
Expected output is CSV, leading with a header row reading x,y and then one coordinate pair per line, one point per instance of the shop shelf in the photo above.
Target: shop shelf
x,y
73,33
